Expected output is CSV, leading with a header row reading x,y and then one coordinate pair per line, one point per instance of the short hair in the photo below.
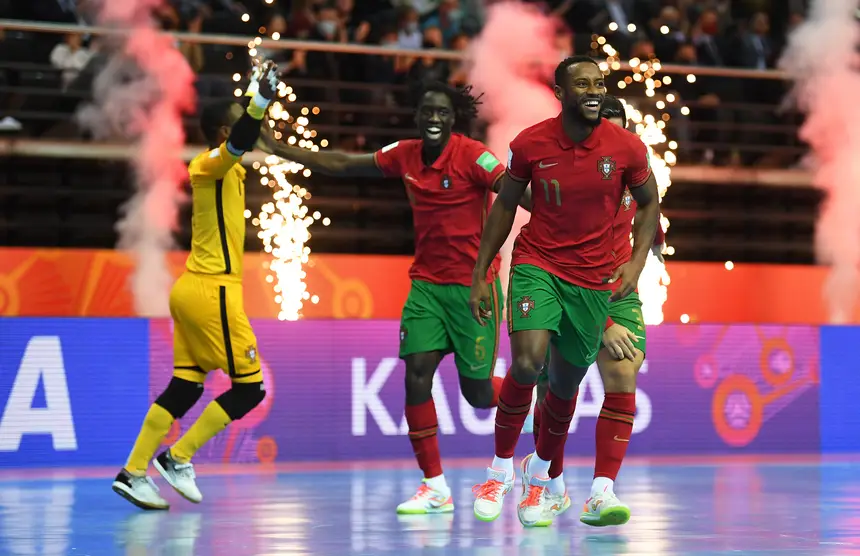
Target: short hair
x,y
612,107
562,67
214,116
464,102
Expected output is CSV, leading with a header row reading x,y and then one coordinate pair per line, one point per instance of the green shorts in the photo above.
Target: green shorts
x,y
437,318
628,313
538,300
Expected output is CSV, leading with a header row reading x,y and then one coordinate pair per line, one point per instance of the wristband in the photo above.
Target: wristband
x,y
257,107
609,323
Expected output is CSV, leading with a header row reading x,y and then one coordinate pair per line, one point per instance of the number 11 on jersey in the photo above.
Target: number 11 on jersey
x,y
555,185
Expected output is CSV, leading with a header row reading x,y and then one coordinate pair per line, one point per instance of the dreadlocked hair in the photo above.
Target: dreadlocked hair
x,y
464,102
612,107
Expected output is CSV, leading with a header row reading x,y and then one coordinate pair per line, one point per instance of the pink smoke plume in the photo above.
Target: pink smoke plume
x,y
821,58
140,97
510,63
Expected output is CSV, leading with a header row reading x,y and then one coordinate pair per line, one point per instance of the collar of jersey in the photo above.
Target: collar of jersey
x,y
442,161
567,143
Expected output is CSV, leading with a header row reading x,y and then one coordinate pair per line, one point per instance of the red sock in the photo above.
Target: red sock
x,y
515,400
422,435
497,389
614,427
555,418
556,466
536,423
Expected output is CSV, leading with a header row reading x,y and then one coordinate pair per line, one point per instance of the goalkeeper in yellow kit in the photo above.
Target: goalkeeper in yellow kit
x,y
210,328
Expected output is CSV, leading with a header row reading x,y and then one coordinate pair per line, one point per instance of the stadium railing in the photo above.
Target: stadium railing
x,y
732,224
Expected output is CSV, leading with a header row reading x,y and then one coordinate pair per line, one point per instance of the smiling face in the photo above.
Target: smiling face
x,y
582,92
435,118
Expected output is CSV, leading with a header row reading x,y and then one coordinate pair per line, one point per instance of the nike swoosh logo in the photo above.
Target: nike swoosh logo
x,y
410,178
542,165
621,439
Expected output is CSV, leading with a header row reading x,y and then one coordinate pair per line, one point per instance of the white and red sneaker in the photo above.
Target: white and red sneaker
x,y
427,501
490,495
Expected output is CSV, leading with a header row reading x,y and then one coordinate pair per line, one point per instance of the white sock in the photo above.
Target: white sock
x,y
438,483
504,464
557,486
601,485
538,467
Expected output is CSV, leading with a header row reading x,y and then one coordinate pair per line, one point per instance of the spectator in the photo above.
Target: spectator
x,y
428,68
302,19
705,34
71,57
408,30
755,52
193,51
433,37
447,18
459,69
667,33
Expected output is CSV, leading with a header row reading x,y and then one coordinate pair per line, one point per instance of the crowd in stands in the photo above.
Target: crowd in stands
x,y
731,33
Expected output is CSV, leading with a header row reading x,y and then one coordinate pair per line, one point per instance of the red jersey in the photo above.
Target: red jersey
x,y
576,192
623,227
450,202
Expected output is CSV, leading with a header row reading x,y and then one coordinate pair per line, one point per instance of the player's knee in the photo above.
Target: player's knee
x,y
619,376
479,393
241,399
180,396
419,378
526,368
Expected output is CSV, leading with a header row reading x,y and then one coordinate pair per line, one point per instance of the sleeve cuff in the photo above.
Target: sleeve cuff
x,y
609,322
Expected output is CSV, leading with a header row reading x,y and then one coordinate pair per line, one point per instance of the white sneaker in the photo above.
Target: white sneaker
x,y
490,495
178,475
533,509
604,509
139,490
558,503
427,501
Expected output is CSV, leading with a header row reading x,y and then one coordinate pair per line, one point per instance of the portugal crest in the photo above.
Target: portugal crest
x,y
251,353
402,333
446,182
526,305
606,166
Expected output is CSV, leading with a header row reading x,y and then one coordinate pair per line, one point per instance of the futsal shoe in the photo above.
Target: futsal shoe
x,y
604,509
427,501
533,509
178,475
490,495
139,490
558,503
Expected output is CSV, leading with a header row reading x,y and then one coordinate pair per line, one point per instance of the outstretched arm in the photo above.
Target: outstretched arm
x,y
330,163
499,223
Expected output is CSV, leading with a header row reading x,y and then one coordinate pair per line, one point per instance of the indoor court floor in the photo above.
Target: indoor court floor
x,y
702,506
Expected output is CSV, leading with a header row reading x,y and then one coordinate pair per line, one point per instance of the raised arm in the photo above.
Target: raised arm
x,y
330,163
244,132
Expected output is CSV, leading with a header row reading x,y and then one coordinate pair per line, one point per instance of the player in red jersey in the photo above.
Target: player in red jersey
x,y
619,360
562,270
448,179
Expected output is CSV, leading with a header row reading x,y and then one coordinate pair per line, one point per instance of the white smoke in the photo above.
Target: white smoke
x,y
821,58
